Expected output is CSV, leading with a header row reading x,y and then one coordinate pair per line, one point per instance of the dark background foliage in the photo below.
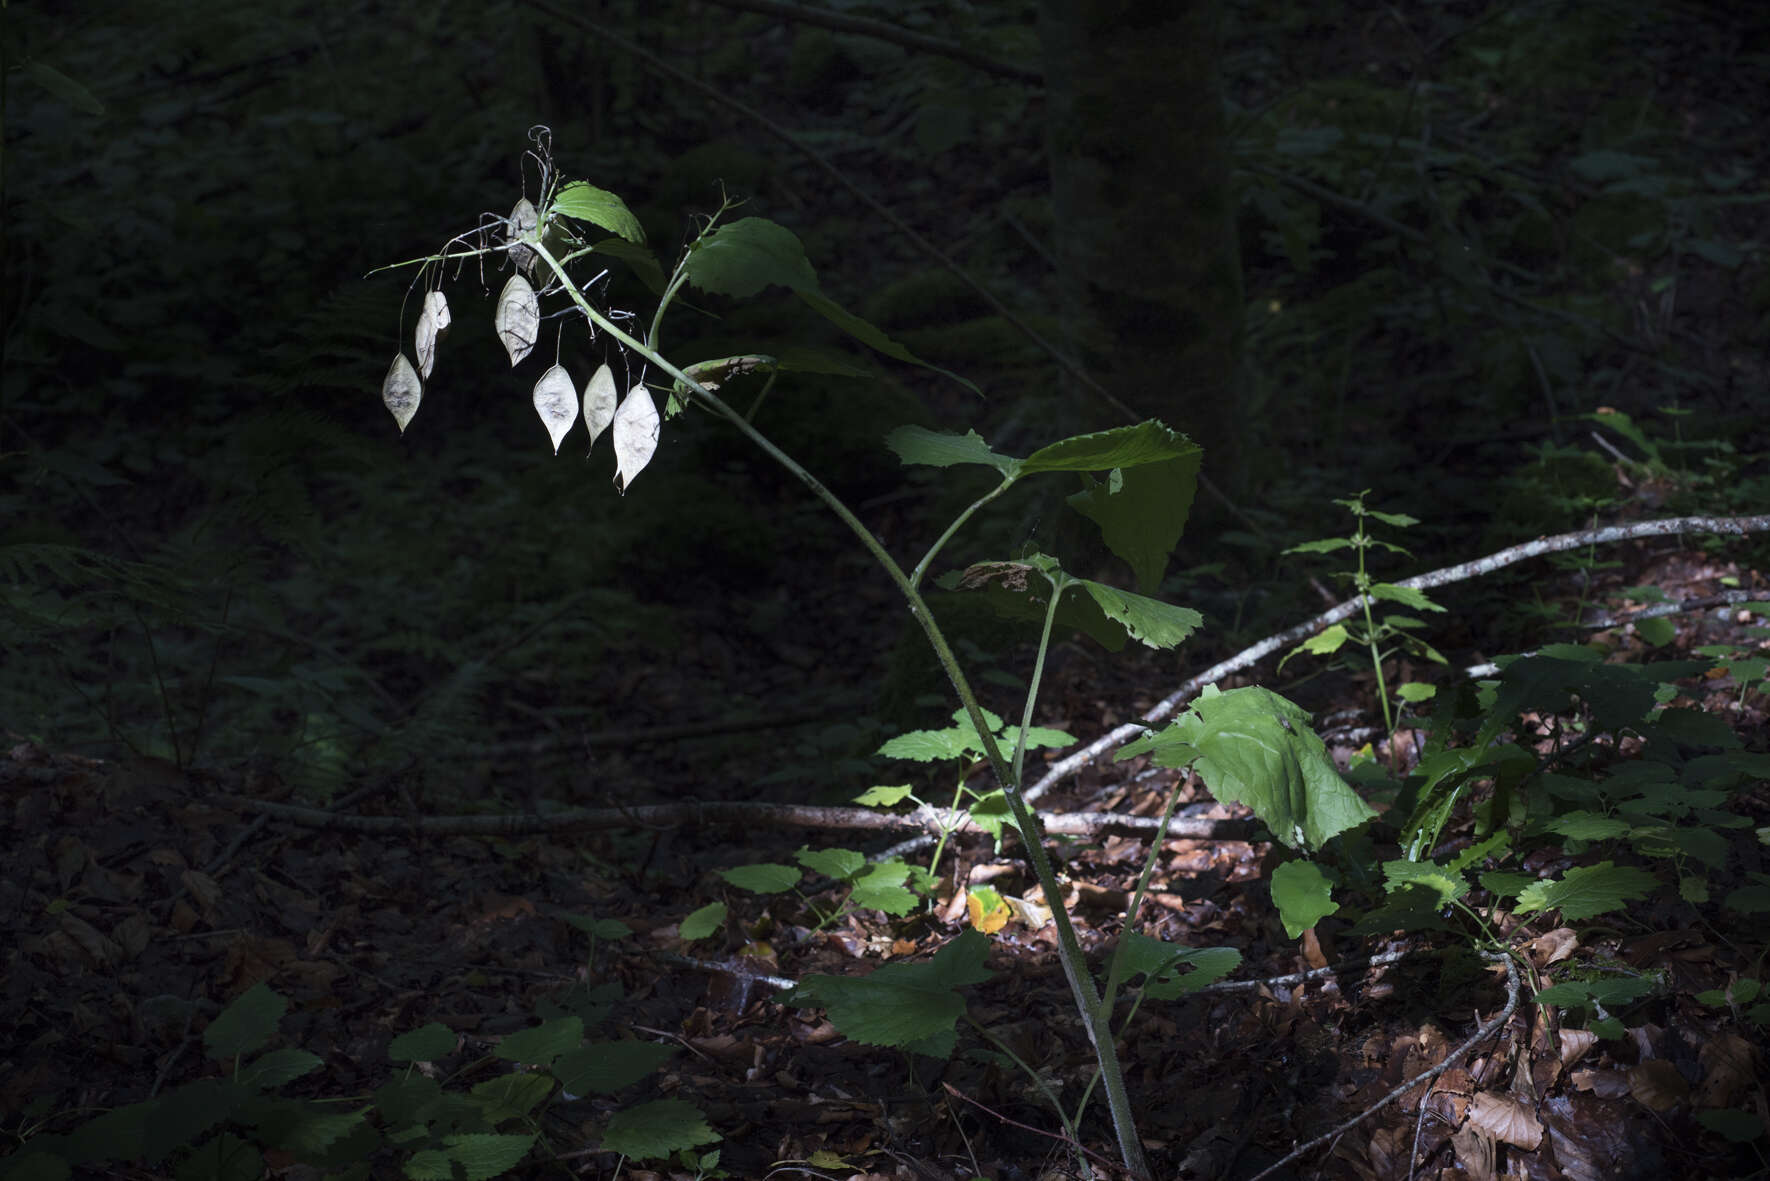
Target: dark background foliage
x,y
1463,228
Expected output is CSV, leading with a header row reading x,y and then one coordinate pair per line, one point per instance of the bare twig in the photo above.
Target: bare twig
x,y
1079,824
1117,737
1486,1031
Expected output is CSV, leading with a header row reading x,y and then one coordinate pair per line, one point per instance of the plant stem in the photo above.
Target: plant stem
x,y
1075,968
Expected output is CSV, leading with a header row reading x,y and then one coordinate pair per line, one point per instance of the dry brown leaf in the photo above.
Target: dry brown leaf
x,y
1505,1118
1657,1085
1552,946
1729,1065
1477,1152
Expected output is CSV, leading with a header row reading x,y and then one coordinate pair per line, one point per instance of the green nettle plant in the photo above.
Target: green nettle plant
x,y
1379,637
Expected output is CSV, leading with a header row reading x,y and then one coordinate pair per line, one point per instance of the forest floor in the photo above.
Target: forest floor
x,y
140,899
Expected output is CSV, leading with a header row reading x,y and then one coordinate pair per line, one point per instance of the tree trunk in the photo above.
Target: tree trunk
x,y
1145,212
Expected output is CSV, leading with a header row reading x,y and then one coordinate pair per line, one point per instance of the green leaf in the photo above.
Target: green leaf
x,y
599,207
63,87
278,1067
221,1158
246,1024
598,928
840,864
1445,885
1151,622
1325,545
1301,892
881,796
603,1068
473,1156
1036,737
891,899
1581,825
1588,891
544,1043
1256,748
703,922
1405,595
915,444
1324,642
1657,631
1160,962
763,878
1607,993
652,1131
907,1005
746,256
512,1096
638,259
1143,512
1414,692
427,1043
1121,447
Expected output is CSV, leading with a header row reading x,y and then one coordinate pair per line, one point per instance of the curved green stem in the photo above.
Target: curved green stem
x,y
1070,954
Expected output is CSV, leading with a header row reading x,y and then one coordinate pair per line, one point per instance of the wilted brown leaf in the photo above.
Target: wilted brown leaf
x,y
1505,1118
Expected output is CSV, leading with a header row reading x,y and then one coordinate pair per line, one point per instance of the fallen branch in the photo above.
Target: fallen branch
x,y
1117,737
1079,824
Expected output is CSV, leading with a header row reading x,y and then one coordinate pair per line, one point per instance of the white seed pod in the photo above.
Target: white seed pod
x,y
600,398
522,220
636,436
556,401
433,325
518,319
402,390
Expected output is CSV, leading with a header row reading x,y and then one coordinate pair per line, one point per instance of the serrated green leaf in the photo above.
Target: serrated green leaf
x,y
1406,595
427,1043
763,878
1302,894
840,864
892,900
1607,993
599,207
915,444
1120,447
1324,545
278,1067
603,1068
512,1096
1149,621
900,1004
246,1024
542,1044
652,1131
1161,963
221,1158
1587,891
881,796
1581,825
703,922
1443,883
743,257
